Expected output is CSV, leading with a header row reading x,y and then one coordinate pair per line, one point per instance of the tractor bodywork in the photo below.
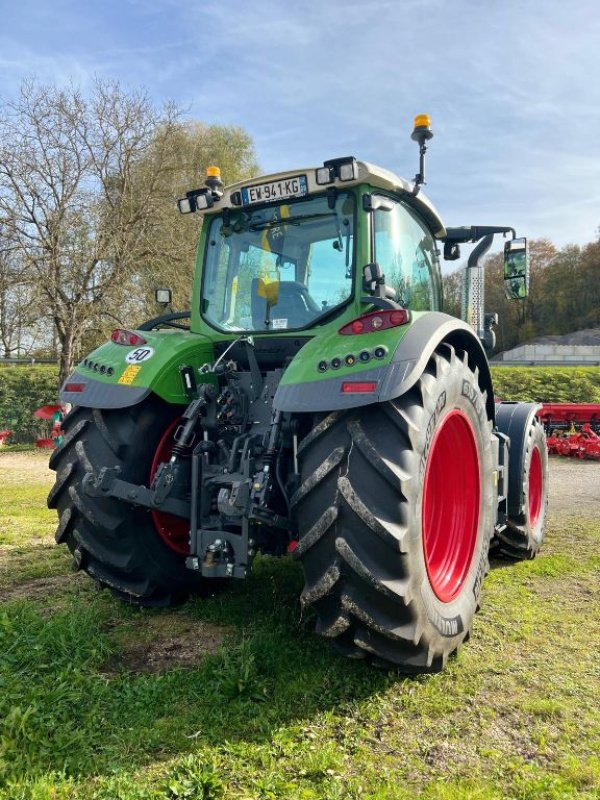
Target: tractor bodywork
x,y
317,338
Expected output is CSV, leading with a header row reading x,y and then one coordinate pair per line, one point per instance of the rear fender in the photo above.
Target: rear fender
x,y
117,376
513,420
409,351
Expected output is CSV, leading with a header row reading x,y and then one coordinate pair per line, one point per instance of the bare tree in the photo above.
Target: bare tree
x,y
71,198
453,291
167,245
22,323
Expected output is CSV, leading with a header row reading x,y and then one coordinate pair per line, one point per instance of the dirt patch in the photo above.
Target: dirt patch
x,y
574,488
159,644
508,733
570,592
38,589
30,468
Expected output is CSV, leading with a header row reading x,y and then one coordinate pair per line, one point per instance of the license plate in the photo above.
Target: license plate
x,y
275,190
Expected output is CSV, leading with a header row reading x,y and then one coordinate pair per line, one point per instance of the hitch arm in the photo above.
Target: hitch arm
x,y
107,484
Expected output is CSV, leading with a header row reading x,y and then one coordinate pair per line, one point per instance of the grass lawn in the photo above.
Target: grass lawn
x,y
234,697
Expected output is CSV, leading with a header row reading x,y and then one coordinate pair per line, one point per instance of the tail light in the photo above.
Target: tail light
x,y
74,387
129,338
359,387
376,321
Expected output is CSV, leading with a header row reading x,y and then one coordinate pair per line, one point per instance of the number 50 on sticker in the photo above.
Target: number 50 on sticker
x,y
139,355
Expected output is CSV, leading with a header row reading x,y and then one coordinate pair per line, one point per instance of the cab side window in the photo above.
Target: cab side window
x,y
407,254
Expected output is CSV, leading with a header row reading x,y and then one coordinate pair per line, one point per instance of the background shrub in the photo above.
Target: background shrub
x,y
22,390
547,384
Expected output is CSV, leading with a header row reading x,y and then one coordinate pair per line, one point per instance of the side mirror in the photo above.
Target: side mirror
x,y
374,282
516,269
451,251
488,339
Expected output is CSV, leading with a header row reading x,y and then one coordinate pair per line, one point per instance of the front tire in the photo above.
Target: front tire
x,y
121,547
395,512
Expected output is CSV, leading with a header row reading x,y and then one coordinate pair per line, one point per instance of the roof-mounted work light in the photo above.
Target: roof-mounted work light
x,y
345,169
325,175
196,200
206,197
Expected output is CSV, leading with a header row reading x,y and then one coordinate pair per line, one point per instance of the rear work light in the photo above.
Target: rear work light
x,y
346,169
376,321
325,175
128,338
359,387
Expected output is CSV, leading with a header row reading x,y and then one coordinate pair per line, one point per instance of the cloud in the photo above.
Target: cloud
x,y
511,87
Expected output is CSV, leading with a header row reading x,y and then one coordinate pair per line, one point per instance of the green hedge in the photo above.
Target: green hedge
x,y
547,384
22,390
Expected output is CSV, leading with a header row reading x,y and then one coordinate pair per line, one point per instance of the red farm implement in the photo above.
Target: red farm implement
x,y
572,429
54,414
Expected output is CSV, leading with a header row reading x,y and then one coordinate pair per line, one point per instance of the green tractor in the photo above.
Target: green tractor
x,y
319,403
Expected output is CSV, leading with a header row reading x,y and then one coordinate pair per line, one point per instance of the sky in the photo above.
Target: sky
x,y
512,87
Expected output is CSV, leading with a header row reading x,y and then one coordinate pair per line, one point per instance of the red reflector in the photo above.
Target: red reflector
x,y
129,338
292,545
74,387
376,321
359,387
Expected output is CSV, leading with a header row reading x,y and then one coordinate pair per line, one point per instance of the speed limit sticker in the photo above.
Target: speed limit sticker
x,y
139,355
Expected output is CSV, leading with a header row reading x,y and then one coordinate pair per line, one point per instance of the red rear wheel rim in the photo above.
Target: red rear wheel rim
x,y
174,531
451,499
535,486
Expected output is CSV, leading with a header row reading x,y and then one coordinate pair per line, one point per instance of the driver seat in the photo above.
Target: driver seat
x,y
295,306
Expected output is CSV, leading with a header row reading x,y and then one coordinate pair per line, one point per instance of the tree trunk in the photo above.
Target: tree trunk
x,y
67,357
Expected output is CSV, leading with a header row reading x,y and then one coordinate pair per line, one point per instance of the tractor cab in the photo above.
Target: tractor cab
x,y
296,249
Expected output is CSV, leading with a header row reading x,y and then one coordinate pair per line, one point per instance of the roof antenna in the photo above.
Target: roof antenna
x,y
422,133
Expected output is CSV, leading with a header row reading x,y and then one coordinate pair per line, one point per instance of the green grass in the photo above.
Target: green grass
x,y
273,713
19,448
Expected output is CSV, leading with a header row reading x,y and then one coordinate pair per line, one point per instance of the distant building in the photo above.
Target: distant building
x,y
580,347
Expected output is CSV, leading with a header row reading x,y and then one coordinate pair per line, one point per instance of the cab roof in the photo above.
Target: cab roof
x,y
376,176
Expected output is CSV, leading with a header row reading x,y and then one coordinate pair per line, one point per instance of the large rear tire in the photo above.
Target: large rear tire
x,y
522,538
395,512
121,547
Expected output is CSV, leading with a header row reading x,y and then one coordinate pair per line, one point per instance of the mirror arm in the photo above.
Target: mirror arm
x,y
475,232
481,249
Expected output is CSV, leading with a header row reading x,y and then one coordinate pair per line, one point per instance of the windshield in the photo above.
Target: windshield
x,y
279,267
